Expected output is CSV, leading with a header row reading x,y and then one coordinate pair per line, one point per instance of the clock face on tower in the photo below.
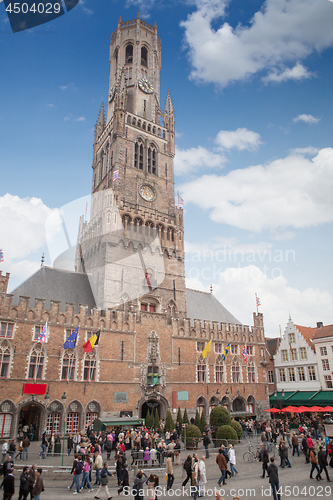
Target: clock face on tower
x,y
147,192
145,86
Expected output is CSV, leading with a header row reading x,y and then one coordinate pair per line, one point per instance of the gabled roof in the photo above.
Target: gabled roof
x,y
56,284
272,345
204,306
323,332
308,334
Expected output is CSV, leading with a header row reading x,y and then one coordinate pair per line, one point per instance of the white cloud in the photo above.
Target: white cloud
x,y
241,139
291,192
22,225
273,44
309,150
236,290
80,119
298,72
193,159
68,86
306,119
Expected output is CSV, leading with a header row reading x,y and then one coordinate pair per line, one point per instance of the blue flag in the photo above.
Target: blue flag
x,y
71,341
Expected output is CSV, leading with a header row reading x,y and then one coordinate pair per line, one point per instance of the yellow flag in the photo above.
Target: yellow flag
x,y
206,350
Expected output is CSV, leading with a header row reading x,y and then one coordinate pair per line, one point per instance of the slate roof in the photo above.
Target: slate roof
x,y
56,284
204,306
66,286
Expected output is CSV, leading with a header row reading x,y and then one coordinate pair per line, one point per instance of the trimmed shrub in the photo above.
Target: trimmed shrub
x,y
185,418
226,433
197,419
169,423
193,436
149,420
203,421
238,428
179,418
156,421
219,416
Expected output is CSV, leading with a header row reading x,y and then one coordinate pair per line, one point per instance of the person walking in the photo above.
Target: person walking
x,y
294,442
39,485
4,450
304,446
25,446
232,460
322,462
139,479
98,464
187,466
222,463
206,442
104,481
195,477
77,475
152,483
9,485
273,474
24,484
32,479
314,464
284,455
86,472
264,459
43,446
202,479
124,478
169,471
70,444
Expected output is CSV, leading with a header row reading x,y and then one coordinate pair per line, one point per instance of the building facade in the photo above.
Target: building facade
x,y
323,342
129,284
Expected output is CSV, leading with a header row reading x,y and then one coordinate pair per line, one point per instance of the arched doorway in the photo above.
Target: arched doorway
x,y
152,406
154,402
30,415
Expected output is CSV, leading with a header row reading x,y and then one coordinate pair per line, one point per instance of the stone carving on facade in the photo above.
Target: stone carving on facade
x,y
143,375
153,354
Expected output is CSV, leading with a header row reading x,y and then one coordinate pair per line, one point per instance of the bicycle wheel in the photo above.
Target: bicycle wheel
x,y
248,457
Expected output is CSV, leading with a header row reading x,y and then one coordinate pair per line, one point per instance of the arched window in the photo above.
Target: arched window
x,y
251,374
5,352
53,423
151,160
137,225
235,372
144,56
219,371
171,235
90,417
126,219
171,309
129,54
201,370
36,362
89,367
138,156
72,422
5,424
149,228
68,365
160,230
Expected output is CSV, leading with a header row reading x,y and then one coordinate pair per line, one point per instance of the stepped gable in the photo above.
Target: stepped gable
x,y
56,284
204,306
308,334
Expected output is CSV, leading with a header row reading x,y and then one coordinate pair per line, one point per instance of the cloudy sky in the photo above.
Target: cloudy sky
x,y
251,84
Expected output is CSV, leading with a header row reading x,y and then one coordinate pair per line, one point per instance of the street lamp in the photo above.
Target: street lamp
x,y
63,397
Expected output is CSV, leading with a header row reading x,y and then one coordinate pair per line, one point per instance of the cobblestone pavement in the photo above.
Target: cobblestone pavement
x,y
295,482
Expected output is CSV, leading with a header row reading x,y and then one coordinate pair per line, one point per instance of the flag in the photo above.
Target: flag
x,y
226,352
71,341
88,346
180,201
115,175
206,350
1,256
258,301
42,337
244,353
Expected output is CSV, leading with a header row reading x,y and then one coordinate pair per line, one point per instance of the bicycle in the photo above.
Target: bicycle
x,y
249,456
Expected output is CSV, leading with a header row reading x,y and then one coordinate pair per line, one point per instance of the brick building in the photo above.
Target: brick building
x,y
128,281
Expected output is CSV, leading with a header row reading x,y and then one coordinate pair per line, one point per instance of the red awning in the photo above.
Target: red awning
x,y
273,410
291,409
35,389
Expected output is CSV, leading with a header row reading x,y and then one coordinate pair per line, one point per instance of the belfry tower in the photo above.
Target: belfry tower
x,y
133,154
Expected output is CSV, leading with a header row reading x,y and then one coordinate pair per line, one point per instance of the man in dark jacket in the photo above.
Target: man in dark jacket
x,y
8,485
322,462
188,469
305,449
273,474
78,472
264,458
32,478
284,455
24,484
206,443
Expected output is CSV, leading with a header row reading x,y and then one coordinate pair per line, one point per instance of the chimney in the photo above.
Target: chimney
x,y
319,324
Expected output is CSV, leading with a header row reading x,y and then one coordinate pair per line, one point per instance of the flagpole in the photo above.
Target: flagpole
x,y
257,303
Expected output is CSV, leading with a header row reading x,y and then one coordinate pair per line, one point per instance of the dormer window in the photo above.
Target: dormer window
x,y
144,56
129,54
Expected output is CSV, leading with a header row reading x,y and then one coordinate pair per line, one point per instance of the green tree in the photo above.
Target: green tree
x,y
169,423
185,418
193,436
156,420
219,416
149,420
179,418
238,428
226,434
197,419
203,422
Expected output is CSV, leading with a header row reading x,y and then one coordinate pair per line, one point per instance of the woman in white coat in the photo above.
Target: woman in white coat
x,y
202,476
232,460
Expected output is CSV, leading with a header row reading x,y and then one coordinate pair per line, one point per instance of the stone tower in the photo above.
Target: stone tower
x,y
133,218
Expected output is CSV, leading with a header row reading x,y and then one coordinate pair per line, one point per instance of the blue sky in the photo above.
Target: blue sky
x,y
251,84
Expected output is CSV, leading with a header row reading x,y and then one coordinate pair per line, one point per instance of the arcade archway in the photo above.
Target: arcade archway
x,y
30,415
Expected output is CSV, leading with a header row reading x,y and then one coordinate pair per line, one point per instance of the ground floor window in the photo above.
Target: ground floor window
x,y
90,417
5,424
53,423
72,423
250,408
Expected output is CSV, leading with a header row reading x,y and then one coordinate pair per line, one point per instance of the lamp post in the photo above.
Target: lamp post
x,y
63,397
